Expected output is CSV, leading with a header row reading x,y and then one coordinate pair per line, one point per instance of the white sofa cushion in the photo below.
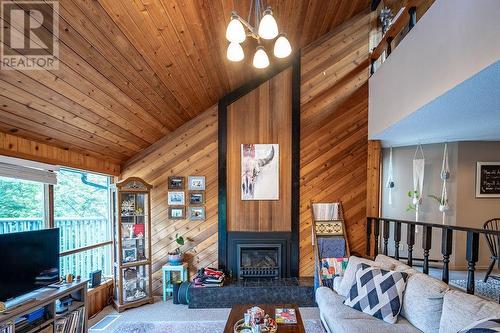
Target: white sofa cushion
x,y
397,265
423,302
339,318
461,309
350,272
378,292
483,325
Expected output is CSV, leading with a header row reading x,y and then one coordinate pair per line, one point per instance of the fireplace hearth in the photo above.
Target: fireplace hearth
x,y
259,261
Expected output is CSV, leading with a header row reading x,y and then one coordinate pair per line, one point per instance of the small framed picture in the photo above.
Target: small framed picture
x,y
488,180
196,183
197,213
129,254
176,213
176,198
176,183
196,198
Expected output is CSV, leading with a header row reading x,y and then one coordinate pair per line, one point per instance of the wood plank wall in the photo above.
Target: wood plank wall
x,y
334,120
334,131
188,151
261,116
16,146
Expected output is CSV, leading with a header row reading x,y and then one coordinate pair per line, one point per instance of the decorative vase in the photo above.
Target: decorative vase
x,y
175,259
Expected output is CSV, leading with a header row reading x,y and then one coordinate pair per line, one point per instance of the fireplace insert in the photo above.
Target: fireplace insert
x,y
259,261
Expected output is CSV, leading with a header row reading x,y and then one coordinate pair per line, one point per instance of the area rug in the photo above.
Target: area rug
x,y
312,326
489,290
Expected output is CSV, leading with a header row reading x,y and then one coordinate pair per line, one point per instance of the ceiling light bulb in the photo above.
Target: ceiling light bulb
x,y
282,47
235,31
260,59
268,28
235,52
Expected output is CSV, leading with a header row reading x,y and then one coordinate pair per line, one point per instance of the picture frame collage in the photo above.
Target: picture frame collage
x,y
188,204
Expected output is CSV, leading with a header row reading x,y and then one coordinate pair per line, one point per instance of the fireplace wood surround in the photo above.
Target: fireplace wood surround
x,y
279,218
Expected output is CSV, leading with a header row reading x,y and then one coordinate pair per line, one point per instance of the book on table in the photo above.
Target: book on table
x,y
285,316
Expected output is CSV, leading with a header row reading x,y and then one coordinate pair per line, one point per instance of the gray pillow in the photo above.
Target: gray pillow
x,y
486,325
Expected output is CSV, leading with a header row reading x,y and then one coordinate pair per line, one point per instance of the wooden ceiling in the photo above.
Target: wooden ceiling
x,y
132,71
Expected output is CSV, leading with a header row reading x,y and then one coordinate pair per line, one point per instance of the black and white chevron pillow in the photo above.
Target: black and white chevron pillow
x,y
488,325
377,292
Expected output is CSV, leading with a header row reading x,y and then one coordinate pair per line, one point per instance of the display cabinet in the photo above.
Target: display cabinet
x,y
132,243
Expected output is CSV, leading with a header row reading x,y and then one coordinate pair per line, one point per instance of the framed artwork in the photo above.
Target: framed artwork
x,y
129,254
176,198
196,183
197,213
259,172
176,213
488,180
176,183
196,198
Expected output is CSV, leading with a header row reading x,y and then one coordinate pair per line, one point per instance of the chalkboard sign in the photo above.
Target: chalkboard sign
x,y
488,180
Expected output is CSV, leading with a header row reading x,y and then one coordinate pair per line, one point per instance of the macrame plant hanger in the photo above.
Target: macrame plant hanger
x,y
445,175
418,179
390,178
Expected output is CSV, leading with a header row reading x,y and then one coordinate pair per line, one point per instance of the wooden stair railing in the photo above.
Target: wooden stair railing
x,y
447,232
407,18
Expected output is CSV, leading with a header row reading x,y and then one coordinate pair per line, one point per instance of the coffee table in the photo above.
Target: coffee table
x,y
238,310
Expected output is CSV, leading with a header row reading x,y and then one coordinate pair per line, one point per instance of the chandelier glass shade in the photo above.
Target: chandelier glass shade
x,y
265,28
268,28
235,32
235,52
260,58
282,47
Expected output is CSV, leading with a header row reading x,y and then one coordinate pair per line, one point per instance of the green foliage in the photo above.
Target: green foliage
x,y
20,199
179,239
438,199
412,194
72,198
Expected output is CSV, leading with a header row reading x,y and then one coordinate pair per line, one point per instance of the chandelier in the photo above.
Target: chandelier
x,y
238,29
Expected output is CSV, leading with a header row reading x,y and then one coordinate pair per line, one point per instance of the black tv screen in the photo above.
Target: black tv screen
x,y
29,261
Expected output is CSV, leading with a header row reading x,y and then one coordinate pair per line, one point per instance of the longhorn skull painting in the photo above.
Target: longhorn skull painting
x,y
259,172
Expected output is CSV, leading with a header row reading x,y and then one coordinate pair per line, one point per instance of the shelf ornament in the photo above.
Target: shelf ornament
x,y
390,178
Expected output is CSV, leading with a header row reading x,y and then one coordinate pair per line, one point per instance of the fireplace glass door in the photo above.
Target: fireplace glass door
x,y
259,261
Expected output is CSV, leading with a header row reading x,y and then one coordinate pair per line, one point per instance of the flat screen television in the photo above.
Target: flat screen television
x,y
28,261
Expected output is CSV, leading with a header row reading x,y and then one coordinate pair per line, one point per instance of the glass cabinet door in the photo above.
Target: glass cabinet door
x,y
135,283
134,227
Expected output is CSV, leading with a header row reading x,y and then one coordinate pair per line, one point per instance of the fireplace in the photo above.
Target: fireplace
x,y
258,261
259,255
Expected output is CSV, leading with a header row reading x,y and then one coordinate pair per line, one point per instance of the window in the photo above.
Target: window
x,y
21,205
81,212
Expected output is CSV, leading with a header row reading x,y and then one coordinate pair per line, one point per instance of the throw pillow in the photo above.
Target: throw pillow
x,y
350,273
486,325
331,267
377,292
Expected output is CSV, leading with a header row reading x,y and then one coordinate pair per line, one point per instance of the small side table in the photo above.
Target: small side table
x,y
168,286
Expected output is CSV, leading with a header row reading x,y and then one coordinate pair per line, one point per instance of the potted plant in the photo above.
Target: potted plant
x,y
442,201
175,258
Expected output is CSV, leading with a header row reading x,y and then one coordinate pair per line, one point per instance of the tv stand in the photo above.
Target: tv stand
x,y
43,301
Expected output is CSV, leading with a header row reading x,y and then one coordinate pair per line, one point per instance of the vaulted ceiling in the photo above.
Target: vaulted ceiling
x,y
132,71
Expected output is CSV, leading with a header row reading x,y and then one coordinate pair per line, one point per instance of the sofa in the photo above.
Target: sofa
x,y
428,306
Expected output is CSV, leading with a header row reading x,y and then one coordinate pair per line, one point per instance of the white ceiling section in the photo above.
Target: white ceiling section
x,y
439,84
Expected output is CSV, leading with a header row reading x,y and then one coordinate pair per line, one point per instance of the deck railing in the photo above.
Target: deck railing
x,y
380,229
79,237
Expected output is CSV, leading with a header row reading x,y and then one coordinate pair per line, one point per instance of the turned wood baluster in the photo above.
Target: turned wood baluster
x,y
368,236
376,235
446,245
410,241
386,228
413,17
426,245
397,239
472,256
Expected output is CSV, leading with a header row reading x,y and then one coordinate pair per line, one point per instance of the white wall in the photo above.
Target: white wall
x,y
465,209
403,176
454,40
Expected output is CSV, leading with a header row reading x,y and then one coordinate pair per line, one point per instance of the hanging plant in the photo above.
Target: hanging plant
x,y
442,201
416,200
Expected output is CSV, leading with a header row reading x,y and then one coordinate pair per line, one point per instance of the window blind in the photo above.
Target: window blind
x,y
27,170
